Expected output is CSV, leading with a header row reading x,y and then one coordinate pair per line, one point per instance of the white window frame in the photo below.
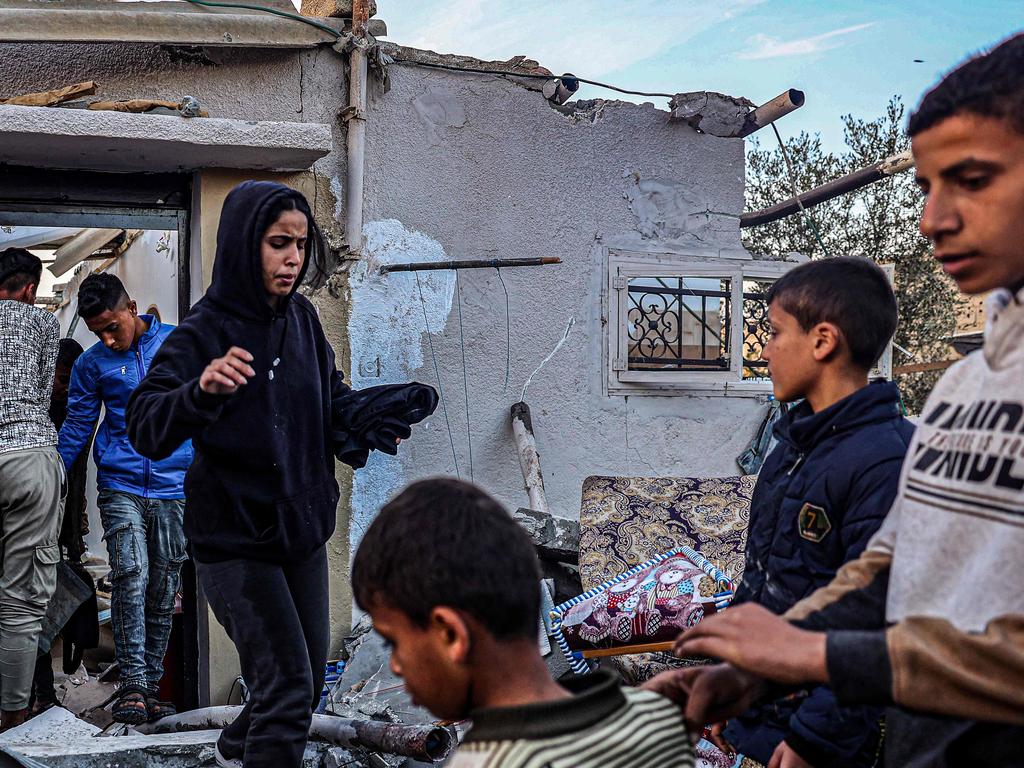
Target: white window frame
x,y
621,266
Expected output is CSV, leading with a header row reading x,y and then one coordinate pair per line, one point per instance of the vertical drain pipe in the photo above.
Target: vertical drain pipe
x,y
356,127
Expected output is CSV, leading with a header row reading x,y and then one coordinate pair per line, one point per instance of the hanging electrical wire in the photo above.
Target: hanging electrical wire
x,y
465,376
275,11
416,63
437,374
796,193
527,75
508,331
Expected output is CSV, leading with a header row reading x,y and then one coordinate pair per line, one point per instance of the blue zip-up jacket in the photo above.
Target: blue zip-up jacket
x,y
820,496
102,376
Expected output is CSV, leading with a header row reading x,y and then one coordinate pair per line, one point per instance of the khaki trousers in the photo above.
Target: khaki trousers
x,y
32,490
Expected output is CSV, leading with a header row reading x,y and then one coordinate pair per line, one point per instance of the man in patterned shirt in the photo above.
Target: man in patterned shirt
x,y
32,484
452,584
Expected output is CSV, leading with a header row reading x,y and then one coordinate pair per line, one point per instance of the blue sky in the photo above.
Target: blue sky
x,y
847,56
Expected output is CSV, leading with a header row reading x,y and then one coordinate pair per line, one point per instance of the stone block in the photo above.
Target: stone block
x,y
333,9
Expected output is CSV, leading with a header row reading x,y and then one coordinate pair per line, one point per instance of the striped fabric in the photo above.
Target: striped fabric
x,y
644,731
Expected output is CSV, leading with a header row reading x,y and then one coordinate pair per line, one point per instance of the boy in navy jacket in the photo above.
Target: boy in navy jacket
x,y
141,501
824,490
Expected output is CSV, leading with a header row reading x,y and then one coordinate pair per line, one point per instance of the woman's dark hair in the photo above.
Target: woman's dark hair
x,y
989,85
445,542
316,247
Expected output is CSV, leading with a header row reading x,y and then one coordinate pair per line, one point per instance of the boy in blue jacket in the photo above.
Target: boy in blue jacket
x,y
824,490
141,501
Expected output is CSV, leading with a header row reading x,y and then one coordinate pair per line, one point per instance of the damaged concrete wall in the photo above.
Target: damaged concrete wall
x,y
470,166
245,84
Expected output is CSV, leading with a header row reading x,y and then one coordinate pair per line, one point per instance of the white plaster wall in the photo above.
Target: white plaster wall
x,y
463,166
469,166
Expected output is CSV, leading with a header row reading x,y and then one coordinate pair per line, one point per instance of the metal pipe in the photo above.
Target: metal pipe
x,y
79,248
770,111
529,458
422,742
356,117
421,266
883,169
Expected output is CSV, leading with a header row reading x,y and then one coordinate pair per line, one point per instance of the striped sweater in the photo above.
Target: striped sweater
x,y
601,726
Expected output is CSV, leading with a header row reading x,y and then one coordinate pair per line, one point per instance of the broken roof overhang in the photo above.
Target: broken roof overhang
x,y
114,141
171,23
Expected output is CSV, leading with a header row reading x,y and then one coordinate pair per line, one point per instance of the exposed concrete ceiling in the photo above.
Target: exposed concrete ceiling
x,y
54,137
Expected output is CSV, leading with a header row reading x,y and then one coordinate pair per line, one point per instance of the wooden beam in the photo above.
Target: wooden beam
x,y
935,365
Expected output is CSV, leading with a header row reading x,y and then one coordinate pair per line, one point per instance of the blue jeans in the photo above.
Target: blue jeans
x,y
146,544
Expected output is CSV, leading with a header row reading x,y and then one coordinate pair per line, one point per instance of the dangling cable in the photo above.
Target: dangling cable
x,y
465,377
437,373
508,330
796,193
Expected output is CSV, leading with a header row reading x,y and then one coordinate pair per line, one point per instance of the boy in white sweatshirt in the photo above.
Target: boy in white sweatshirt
x,y
930,619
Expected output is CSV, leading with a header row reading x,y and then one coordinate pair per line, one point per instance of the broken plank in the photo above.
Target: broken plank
x,y
935,365
51,98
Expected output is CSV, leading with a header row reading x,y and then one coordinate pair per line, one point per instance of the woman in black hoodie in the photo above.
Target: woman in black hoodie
x,y
249,377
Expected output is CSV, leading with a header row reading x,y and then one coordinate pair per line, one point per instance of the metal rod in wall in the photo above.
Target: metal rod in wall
x,y
420,266
883,169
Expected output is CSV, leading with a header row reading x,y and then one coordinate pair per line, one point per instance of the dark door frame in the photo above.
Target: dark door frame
x,y
40,196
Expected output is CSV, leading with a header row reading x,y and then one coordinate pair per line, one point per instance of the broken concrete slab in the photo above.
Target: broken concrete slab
x,y
116,141
712,112
556,538
54,724
170,750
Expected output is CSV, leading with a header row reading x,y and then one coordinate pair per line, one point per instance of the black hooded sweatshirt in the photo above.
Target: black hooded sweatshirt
x,y
262,482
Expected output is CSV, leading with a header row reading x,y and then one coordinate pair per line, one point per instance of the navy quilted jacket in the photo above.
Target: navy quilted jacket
x,y
820,496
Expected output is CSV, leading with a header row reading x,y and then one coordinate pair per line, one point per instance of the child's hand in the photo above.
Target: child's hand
x,y
707,694
756,640
716,735
225,375
785,757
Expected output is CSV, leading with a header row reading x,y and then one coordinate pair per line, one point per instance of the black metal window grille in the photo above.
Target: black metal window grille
x,y
684,324
756,328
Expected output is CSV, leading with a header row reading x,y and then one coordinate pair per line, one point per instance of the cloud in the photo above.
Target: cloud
x,y
591,38
765,47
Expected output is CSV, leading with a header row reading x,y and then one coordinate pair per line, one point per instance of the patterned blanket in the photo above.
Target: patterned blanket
x,y
625,521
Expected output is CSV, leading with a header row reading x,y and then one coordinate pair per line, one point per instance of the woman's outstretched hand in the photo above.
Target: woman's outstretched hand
x,y
226,374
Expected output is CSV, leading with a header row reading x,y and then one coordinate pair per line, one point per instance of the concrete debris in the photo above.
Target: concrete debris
x,y
170,750
711,112
332,9
368,689
582,111
556,538
54,723
52,98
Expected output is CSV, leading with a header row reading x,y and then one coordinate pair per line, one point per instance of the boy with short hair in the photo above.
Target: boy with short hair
x,y
824,490
930,619
141,501
452,583
32,481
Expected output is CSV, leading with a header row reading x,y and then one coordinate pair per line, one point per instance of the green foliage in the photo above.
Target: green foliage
x,y
879,221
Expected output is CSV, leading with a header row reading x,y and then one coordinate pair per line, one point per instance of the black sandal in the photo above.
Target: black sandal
x,y
130,706
159,709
